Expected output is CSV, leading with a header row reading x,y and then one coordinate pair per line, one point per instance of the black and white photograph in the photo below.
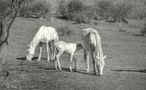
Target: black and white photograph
x,y
72,44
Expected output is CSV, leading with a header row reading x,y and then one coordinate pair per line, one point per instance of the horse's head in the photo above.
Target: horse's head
x,y
30,53
85,31
100,64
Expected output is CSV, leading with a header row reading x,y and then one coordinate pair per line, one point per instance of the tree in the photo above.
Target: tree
x,y
10,9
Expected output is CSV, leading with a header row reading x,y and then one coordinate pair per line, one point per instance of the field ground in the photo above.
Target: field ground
x,y
125,64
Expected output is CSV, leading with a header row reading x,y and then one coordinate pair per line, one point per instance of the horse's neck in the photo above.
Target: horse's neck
x,y
100,51
34,43
99,47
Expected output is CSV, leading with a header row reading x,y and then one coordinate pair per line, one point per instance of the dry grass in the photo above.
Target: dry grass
x,y
124,70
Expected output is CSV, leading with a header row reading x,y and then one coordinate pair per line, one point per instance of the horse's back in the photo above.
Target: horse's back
x,y
47,33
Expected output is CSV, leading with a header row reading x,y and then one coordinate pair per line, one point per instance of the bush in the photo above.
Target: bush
x,y
62,8
103,8
3,6
74,7
74,10
109,9
38,9
65,29
120,11
143,30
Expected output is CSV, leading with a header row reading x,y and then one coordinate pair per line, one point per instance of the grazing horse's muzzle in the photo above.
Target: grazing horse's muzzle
x,y
29,57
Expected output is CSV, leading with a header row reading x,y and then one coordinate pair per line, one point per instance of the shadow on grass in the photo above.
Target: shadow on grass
x,y
127,70
48,68
34,58
140,35
21,58
78,71
85,72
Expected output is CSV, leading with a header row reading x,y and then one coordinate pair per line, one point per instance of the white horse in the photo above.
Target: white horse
x,y
69,48
92,44
44,35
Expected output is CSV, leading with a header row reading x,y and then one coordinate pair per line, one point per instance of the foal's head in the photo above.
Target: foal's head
x,y
30,53
79,46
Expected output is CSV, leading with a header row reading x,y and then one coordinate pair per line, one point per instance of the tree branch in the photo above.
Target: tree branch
x,y
10,18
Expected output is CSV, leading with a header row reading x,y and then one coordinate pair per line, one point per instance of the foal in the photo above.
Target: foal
x,y
69,48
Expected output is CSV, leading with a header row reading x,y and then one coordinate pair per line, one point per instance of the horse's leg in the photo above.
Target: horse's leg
x,y
71,57
54,48
40,54
51,50
86,57
54,51
56,64
57,58
47,47
94,63
75,63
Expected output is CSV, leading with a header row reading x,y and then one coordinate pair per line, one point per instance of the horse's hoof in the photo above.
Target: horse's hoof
x,y
56,69
95,73
70,69
38,60
60,70
100,74
87,70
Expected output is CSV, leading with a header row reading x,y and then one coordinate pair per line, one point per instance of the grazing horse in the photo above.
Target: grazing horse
x,y
44,35
92,44
69,48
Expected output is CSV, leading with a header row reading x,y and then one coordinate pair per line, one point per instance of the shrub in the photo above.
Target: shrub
x,y
74,10
74,7
3,6
143,30
65,29
120,11
62,8
109,9
103,8
38,9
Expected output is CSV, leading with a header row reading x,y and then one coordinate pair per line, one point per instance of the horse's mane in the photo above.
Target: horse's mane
x,y
96,42
35,41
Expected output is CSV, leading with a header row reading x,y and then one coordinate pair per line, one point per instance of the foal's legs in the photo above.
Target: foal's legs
x,y
57,58
71,57
56,64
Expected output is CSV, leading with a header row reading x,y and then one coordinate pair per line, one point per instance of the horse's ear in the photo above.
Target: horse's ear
x,y
104,57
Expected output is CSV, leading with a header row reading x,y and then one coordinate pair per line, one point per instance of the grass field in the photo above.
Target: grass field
x,y
125,64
